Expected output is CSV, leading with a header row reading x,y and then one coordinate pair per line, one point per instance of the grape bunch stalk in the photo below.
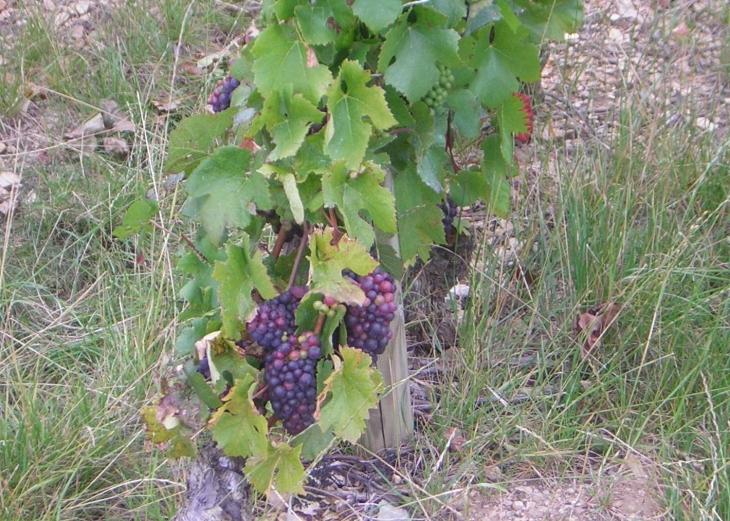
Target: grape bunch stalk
x,y
220,99
368,326
435,97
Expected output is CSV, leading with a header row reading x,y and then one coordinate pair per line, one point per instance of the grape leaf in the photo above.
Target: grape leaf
x,y
136,218
238,276
313,441
355,193
203,391
419,217
377,14
238,428
328,260
221,192
429,146
411,50
288,117
292,194
193,138
156,431
282,61
511,120
466,112
352,390
281,468
350,101
551,19
500,61
180,447
321,22
496,170
454,9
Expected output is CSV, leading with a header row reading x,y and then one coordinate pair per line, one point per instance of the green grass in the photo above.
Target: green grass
x,y
85,329
642,222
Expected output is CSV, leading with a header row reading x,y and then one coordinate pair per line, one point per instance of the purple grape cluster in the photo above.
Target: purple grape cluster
x,y
368,326
450,210
221,98
274,319
290,372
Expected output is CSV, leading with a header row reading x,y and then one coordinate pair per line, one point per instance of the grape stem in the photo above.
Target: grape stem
x,y
300,252
260,392
319,325
280,242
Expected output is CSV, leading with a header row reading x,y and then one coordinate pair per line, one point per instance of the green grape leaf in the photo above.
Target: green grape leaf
x,y
222,191
455,10
282,61
377,14
430,153
193,138
511,120
292,194
551,19
328,260
313,441
419,217
481,15
322,22
353,193
136,218
466,112
509,17
238,428
288,117
354,110
203,391
411,50
281,468
398,107
180,447
499,62
351,391
496,170
238,276
186,338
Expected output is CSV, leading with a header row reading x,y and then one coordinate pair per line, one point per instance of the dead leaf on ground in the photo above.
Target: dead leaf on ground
x,y
116,146
90,126
167,105
454,440
593,323
192,69
9,187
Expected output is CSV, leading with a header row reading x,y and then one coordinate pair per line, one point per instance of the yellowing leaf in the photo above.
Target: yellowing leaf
x,y
328,260
281,468
353,389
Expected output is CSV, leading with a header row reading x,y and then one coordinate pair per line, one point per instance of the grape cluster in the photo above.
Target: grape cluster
x,y
221,98
449,209
290,372
274,319
435,97
368,326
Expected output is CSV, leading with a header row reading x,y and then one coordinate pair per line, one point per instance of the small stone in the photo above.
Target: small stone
x,y
390,513
518,505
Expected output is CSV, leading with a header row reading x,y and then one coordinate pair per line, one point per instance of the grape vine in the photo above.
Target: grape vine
x,y
334,138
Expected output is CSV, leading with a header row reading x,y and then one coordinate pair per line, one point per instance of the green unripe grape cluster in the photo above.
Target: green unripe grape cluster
x,y
436,96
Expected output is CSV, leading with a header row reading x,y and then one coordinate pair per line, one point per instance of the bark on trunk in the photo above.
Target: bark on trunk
x,y
216,489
